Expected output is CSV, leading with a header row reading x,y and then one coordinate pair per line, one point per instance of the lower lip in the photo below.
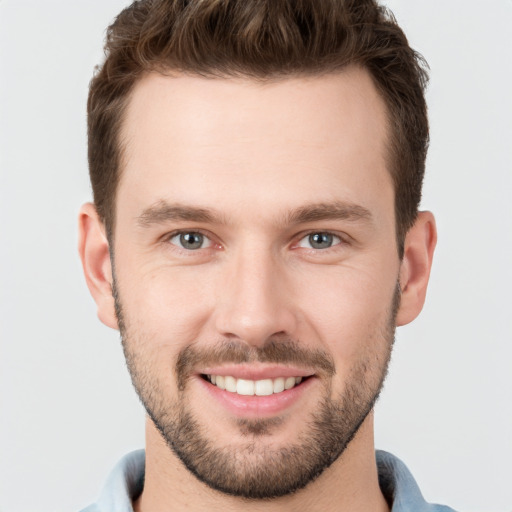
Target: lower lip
x,y
257,406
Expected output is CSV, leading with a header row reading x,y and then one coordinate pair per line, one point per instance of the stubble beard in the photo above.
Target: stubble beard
x,y
253,470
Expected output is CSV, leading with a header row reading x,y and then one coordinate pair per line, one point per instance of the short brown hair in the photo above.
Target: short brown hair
x,y
261,39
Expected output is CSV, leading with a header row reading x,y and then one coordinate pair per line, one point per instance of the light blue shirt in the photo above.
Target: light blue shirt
x,y
398,486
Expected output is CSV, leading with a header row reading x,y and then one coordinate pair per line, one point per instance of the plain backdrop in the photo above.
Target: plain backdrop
x,y
68,411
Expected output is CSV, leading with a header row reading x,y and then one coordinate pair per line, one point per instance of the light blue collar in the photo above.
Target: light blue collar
x,y
126,481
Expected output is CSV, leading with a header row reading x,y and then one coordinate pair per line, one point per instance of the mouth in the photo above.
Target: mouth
x,y
258,393
247,387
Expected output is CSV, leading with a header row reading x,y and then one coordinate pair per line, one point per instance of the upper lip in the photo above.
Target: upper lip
x,y
252,371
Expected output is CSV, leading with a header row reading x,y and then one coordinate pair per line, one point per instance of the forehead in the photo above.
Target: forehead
x,y
242,141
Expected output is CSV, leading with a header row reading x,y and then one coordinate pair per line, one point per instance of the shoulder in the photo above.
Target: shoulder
x,y
400,488
123,485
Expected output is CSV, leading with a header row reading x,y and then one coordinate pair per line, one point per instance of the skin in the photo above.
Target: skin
x,y
253,155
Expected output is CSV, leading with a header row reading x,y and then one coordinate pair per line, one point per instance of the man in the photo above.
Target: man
x,y
255,237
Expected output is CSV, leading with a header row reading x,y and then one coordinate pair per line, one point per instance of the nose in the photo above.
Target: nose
x,y
255,299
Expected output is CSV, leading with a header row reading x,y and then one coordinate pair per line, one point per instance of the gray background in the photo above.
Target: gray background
x,y
67,408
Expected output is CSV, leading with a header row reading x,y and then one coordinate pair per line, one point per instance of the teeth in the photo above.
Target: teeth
x,y
289,383
230,383
219,381
263,387
246,387
278,385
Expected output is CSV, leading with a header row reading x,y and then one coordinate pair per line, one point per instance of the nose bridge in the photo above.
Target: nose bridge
x,y
253,303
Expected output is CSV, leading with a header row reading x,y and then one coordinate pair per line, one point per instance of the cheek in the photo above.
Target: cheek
x,y
165,306
349,314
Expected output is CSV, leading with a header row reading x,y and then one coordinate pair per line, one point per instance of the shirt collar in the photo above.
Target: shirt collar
x,y
399,487
126,482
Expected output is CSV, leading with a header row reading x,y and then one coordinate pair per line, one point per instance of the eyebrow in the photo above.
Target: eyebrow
x,y
336,210
162,212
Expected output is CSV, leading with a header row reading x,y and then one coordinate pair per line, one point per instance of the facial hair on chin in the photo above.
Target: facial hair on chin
x,y
251,469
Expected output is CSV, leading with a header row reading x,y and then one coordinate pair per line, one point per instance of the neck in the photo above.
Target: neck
x,y
349,484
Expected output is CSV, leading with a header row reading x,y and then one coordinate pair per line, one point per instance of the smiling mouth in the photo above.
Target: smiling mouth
x,y
245,387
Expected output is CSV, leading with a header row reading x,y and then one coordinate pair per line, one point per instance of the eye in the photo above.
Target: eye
x,y
319,240
190,240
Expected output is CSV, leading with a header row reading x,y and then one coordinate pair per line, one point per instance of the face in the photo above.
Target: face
x,y
256,270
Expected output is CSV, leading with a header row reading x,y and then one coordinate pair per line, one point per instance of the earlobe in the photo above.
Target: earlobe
x,y
419,246
94,252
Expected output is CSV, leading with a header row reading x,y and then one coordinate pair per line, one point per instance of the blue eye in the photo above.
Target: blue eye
x,y
319,240
190,240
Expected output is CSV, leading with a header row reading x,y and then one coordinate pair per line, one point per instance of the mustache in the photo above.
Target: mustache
x,y
276,350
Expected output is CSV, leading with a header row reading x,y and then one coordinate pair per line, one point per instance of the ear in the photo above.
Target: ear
x,y
95,255
420,243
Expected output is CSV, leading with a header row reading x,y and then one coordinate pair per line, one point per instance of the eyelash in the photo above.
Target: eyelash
x,y
335,236
339,240
174,234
